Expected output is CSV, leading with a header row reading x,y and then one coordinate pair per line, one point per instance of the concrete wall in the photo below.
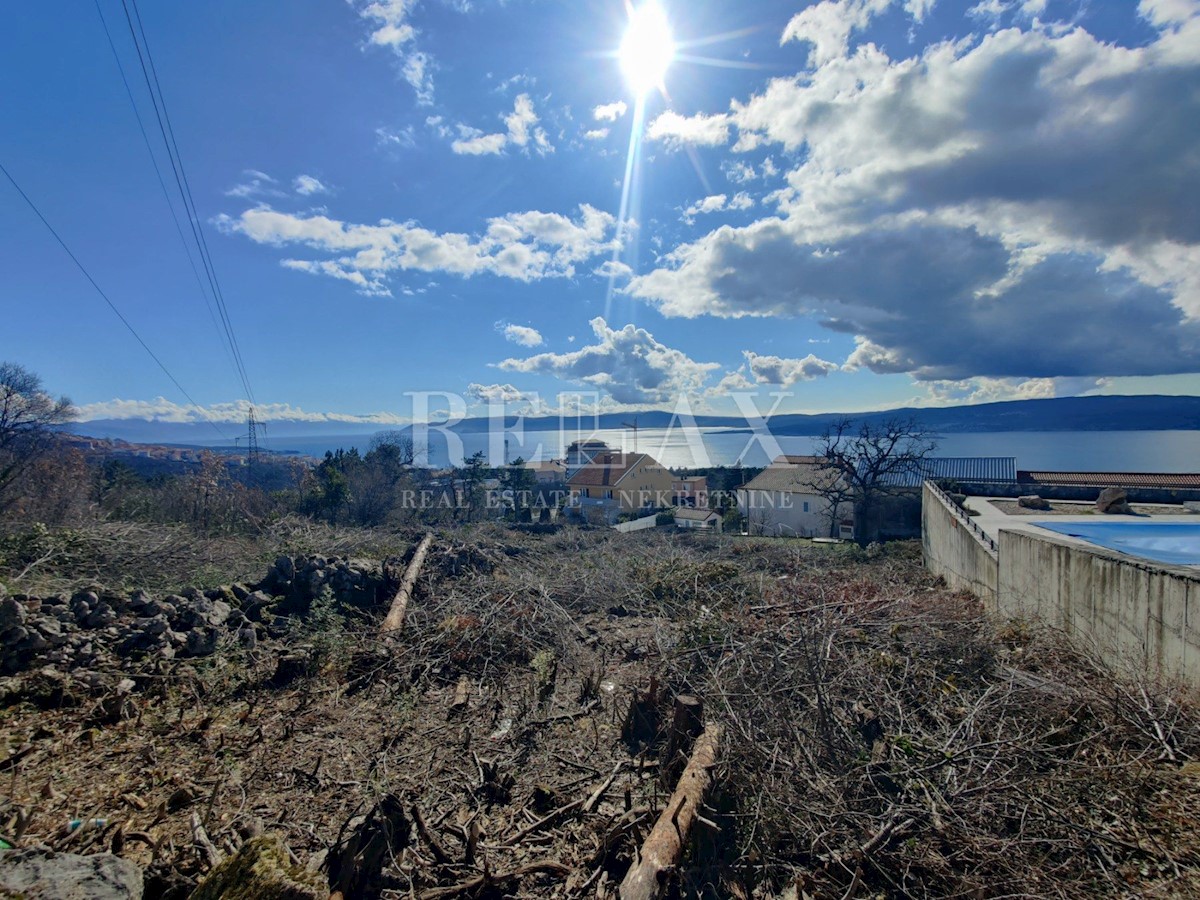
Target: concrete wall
x,y
954,549
641,524
1130,611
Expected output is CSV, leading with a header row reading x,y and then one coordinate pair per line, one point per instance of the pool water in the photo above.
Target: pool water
x,y
1176,543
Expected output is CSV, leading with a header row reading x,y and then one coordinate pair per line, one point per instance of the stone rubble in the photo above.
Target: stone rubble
x,y
94,628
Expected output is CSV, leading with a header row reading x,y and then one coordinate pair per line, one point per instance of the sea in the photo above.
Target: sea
x,y
1084,451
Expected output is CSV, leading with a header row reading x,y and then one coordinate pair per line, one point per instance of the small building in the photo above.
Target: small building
x,y
791,498
580,453
690,490
613,482
552,471
690,518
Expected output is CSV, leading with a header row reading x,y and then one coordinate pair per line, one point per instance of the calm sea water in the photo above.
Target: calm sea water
x,y
1089,451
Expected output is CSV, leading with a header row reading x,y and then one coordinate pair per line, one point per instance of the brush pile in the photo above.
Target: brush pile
x,y
785,719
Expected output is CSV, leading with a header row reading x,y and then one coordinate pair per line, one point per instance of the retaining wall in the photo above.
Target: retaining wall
x,y
1129,610
955,549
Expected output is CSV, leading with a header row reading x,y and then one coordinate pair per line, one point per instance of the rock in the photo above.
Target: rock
x,y
203,641
82,604
51,630
100,617
248,637
46,875
285,569
12,613
158,608
200,611
255,603
1113,501
153,625
1033,501
261,870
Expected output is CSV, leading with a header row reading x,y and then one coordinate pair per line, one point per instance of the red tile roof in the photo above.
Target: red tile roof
x,y
607,469
1166,480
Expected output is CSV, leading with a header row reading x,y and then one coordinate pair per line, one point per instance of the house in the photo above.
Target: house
x,y
552,471
689,517
690,491
580,453
613,482
791,498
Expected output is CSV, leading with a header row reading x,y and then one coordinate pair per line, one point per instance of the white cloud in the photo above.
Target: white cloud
x,y
520,334
405,137
718,203
596,134
614,269
829,24
1016,206
919,9
702,130
480,145
522,125
995,390
628,363
735,381
390,28
418,72
610,112
786,372
496,393
256,184
307,185
524,246
162,410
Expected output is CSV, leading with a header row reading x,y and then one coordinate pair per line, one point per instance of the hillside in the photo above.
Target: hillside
x,y
180,696
1138,413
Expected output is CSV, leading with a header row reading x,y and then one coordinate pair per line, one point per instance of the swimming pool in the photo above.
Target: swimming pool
x,y
1176,543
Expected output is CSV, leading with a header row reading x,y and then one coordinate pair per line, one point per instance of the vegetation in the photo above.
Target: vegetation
x,y
881,736
867,461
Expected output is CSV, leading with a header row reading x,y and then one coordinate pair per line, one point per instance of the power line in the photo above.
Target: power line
x,y
150,74
111,305
208,303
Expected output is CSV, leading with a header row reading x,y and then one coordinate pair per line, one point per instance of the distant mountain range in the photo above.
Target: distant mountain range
x,y
1137,413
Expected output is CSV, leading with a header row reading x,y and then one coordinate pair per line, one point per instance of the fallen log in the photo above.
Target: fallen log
x,y
660,854
395,617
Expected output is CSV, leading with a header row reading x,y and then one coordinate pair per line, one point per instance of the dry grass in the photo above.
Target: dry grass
x,y
882,737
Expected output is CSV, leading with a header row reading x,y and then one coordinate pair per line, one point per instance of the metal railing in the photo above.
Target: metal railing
x,y
960,513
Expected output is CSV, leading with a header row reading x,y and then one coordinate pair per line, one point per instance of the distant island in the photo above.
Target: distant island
x,y
1150,412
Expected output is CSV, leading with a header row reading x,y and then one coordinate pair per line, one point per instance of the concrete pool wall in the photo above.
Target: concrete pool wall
x,y
1129,610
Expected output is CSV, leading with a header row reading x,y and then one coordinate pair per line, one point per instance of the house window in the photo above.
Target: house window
x,y
608,495
806,506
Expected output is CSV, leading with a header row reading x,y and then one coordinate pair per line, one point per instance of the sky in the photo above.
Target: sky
x,y
859,204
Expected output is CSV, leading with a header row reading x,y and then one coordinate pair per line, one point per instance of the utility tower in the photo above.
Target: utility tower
x,y
251,440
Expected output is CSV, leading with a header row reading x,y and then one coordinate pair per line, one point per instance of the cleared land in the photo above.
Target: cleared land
x,y
878,736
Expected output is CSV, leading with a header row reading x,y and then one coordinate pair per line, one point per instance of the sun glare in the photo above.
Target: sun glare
x,y
647,48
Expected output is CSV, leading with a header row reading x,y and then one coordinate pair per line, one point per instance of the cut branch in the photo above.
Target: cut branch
x,y
660,854
395,617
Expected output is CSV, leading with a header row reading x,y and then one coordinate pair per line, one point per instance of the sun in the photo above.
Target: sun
x,y
647,49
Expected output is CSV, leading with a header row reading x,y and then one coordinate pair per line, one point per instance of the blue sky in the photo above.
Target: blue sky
x,y
863,203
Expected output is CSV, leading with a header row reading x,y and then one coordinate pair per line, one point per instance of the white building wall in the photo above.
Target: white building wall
x,y
785,514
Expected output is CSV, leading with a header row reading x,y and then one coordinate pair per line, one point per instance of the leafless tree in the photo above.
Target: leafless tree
x,y
28,417
871,460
